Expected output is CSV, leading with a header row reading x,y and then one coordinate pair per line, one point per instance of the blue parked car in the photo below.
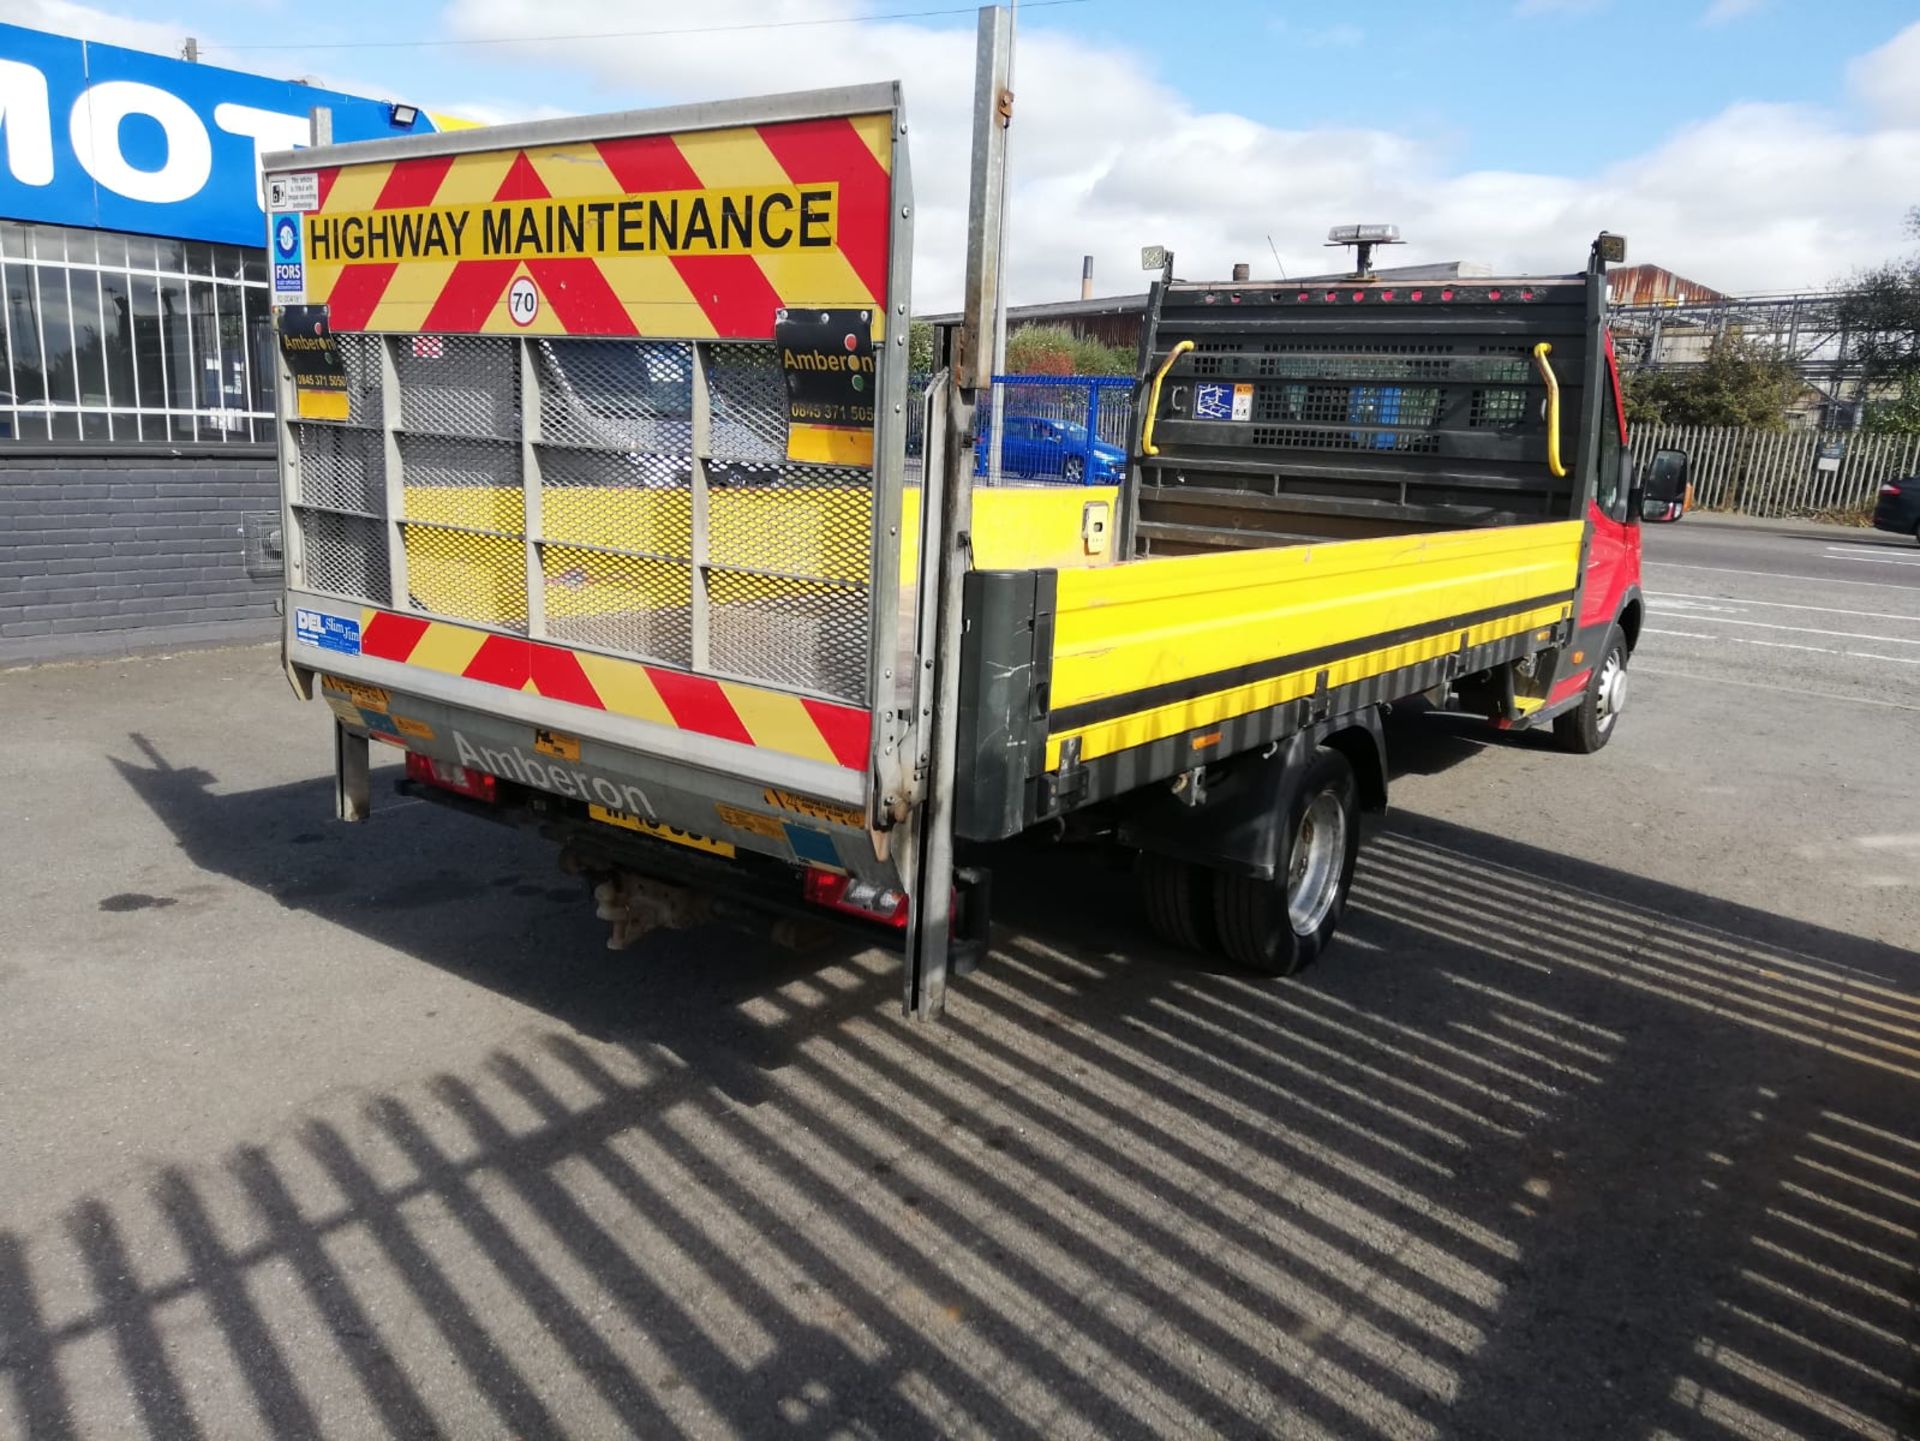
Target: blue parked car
x,y
1037,448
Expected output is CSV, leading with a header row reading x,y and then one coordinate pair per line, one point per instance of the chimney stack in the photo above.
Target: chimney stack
x,y
1086,277
1242,270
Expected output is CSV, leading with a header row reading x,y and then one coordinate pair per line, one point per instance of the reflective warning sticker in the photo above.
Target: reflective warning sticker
x,y
754,823
557,744
689,235
818,810
367,697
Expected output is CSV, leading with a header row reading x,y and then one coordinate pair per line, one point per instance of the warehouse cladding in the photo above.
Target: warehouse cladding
x,y
137,357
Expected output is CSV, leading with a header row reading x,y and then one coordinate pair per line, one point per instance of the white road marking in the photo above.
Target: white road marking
x,y
1786,605
1641,668
1790,645
1776,575
1811,630
1874,559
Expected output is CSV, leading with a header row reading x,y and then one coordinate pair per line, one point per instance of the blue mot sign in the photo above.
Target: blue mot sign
x,y
110,139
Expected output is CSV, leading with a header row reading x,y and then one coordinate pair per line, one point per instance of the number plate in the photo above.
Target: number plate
x,y
665,833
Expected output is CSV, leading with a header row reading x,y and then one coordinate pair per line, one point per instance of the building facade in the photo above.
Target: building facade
x,y
138,502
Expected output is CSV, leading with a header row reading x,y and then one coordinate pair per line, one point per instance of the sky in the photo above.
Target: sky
x,y
1752,145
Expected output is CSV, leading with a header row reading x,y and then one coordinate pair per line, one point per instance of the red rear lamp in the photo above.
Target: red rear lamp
x,y
854,897
449,777
1891,488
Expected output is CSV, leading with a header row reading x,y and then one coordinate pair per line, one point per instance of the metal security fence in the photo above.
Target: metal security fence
x,y
1781,473
1069,430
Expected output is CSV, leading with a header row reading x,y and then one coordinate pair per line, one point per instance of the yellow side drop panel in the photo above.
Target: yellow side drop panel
x,y
816,531
1153,629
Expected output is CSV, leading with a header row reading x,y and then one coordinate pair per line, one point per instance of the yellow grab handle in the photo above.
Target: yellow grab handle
x,y
1540,354
1153,396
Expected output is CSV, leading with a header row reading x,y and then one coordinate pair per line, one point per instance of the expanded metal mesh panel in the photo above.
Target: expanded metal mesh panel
x,y
344,554
1289,438
361,356
781,593
1498,407
618,502
625,603
340,467
617,394
465,575
797,520
442,460
1338,404
748,397
789,632
459,384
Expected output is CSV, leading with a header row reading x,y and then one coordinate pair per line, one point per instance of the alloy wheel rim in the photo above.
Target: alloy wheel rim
x,y
1313,873
1613,690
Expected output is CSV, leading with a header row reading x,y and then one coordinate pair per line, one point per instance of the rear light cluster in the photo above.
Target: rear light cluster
x,y
854,897
449,777
1892,487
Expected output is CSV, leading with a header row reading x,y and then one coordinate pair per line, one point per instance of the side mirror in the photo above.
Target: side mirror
x,y
1664,492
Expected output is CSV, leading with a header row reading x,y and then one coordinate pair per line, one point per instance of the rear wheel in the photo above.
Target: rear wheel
x,y
1281,925
1590,725
1179,897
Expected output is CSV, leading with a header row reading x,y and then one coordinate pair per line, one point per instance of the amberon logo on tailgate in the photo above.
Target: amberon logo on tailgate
x,y
516,765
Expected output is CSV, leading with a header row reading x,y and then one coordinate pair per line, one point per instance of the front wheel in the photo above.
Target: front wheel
x,y
1281,925
1590,724
1074,469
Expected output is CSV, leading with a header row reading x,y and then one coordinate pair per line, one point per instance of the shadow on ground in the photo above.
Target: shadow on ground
x,y
1545,1150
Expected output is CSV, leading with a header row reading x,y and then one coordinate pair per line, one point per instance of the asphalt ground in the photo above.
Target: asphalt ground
x,y
1600,1122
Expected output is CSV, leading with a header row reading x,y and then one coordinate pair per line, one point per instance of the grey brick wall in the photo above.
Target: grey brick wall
x,y
102,552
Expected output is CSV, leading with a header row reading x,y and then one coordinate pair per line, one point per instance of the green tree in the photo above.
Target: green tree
x,y
1896,414
920,359
1879,312
1056,350
1737,384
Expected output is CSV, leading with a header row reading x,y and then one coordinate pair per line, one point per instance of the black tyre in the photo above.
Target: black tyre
x,y
1179,899
1281,925
1073,468
1590,725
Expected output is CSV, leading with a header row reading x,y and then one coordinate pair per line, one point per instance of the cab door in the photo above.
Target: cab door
x,y
1613,547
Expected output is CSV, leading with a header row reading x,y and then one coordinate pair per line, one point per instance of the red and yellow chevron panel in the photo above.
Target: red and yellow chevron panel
x,y
747,715
688,236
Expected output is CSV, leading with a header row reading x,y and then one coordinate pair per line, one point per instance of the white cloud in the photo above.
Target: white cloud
x,y
84,22
1107,157
1887,80
1721,12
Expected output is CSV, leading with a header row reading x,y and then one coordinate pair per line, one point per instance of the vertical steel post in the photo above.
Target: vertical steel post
x,y
352,775
946,553
1004,103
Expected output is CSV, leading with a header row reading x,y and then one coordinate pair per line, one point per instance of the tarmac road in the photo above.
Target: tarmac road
x,y
1599,1123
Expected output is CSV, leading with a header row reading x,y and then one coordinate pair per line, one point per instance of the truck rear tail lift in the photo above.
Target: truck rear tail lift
x,y
619,541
